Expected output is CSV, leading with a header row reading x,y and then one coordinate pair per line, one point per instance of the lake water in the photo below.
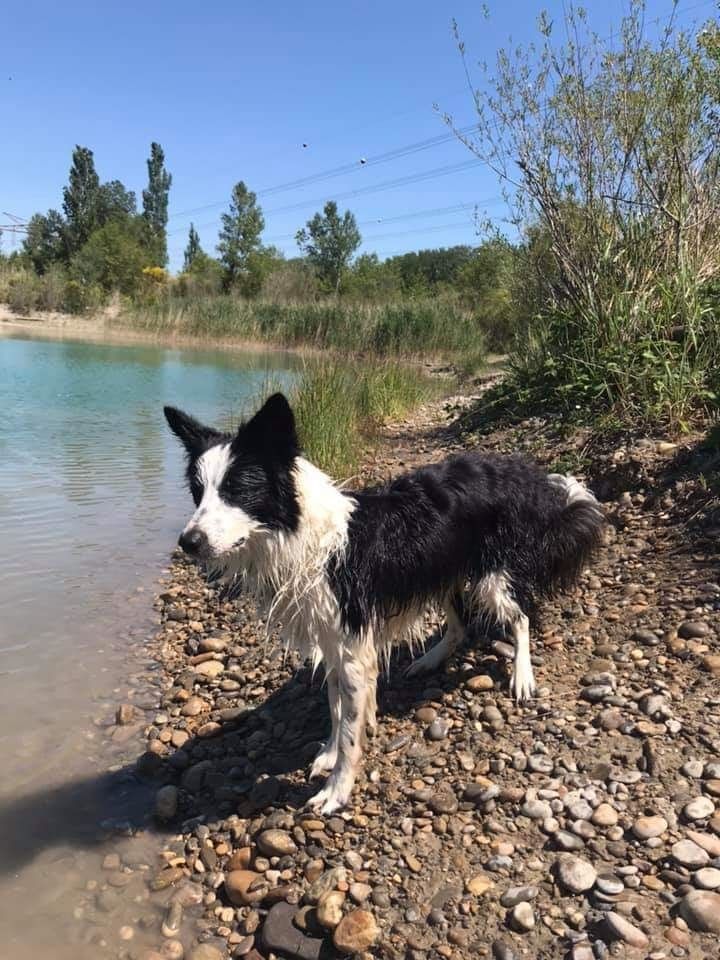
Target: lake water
x,y
91,503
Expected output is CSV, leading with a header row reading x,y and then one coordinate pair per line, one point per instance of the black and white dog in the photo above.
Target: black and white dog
x,y
348,575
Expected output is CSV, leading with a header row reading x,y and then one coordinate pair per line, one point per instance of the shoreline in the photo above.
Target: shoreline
x,y
105,329
101,330
479,828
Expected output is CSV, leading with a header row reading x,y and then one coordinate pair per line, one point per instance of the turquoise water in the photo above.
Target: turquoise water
x,y
91,502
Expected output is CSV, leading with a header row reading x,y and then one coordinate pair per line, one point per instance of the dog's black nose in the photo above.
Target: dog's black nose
x,y
192,541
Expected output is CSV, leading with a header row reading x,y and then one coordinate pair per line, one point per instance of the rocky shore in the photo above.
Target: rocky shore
x,y
585,825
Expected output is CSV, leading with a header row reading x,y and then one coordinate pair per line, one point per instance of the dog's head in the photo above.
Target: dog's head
x,y
242,483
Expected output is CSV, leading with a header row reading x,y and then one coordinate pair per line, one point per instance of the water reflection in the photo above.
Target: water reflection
x,y
91,492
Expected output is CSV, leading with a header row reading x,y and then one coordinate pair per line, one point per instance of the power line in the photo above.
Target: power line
x,y
420,177
406,233
396,154
455,208
398,218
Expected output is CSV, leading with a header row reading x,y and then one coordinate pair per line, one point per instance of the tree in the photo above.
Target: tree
x,y
114,200
114,256
609,153
155,202
239,237
192,249
46,241
329,241
81,198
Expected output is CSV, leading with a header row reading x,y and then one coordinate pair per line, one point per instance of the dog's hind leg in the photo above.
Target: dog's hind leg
x,y
447,645
522,681
371,709
327,757
493,593
356,669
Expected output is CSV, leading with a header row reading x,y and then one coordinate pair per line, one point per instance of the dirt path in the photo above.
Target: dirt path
x,y
584,825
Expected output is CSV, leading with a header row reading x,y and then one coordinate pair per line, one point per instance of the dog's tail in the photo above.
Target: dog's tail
x,y
575,535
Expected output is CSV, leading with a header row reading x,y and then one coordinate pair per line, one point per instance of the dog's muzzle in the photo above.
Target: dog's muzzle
x,y
193,542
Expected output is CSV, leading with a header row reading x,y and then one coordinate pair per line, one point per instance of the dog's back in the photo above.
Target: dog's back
x,y
421,536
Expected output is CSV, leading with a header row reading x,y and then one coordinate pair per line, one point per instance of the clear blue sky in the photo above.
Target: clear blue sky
x,y
232,90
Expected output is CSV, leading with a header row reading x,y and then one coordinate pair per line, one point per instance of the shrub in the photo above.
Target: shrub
x,y
23,293
611,157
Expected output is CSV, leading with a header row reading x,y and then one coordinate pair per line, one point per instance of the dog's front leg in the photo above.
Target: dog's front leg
x,y
327,757
355,673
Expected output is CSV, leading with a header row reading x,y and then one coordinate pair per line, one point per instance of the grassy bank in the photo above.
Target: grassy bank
x,y
422,327
340,408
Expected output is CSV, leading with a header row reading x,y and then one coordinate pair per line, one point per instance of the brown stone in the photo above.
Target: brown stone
x,y
355,932
238,884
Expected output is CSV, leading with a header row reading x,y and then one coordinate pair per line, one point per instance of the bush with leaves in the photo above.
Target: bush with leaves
x,y
609,155
114,257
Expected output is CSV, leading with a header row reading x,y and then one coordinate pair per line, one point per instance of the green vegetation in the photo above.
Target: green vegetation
x,y
155,204
610,156
329,242
340,408
455,302
413,328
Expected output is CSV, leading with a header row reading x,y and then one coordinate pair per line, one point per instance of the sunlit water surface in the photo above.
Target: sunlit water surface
x,y
91,501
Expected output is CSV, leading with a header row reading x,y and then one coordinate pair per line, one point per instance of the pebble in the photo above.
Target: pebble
x,y
609,884
576,874
536,810
206,951
479,683
276,843
622,929
280,935
693,768
193,707
604,815
438,730
707,878
700,909
515,895
210,668
237,887
502,951
356,932
688,854
699,809
690,630
330,909
479,885
124,714
646,828
166,802
359,892
444,801
522,917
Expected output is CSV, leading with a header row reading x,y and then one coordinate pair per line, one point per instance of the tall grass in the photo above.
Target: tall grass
x,y
340,408
412,328
652,356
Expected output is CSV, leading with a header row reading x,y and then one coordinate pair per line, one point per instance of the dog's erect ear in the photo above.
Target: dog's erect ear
x,y
193,434
273,426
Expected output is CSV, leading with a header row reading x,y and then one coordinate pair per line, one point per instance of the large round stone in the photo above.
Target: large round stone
x,y
576,874
700,909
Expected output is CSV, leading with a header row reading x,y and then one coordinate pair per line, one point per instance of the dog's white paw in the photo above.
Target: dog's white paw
x,y
430,661
324,761
522,682
330,799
